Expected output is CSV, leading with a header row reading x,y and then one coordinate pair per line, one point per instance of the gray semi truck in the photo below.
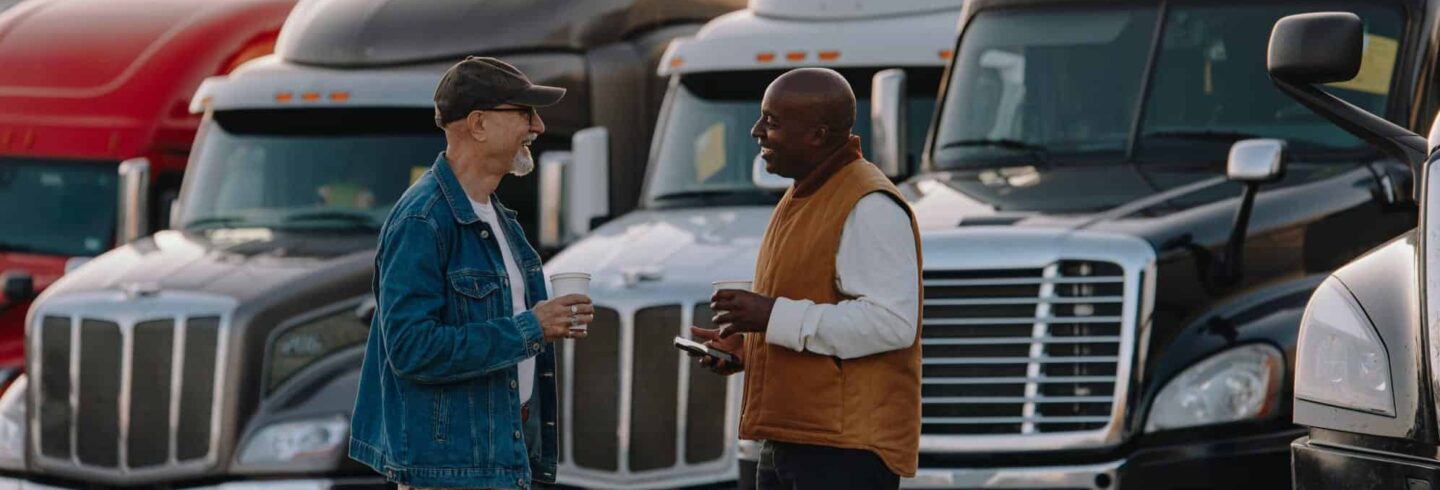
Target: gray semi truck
x,y
226,350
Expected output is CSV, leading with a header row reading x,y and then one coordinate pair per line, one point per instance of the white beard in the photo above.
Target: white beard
x,y
523,163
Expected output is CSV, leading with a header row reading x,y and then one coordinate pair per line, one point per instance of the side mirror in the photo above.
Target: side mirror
x,y
19,287
1320,47
887,122
1256,160
134,207
764,179
552,196
574,187
1325,47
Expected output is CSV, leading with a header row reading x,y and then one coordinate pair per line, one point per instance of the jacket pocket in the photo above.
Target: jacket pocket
x,y
803,392
477,295
440,414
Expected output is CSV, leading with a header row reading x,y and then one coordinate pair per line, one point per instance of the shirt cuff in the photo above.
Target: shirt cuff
x,y
787,321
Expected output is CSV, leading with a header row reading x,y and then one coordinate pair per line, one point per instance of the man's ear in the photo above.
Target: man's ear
x,y
819,136
475,125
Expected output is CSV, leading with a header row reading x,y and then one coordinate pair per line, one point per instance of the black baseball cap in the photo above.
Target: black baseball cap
x,y
480,83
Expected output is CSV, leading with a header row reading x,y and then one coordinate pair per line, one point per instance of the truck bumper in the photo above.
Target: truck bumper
x,y
1320,466
1253,461
11,483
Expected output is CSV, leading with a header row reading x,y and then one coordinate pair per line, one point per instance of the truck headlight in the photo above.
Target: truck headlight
x,y
302,345
1340,360
1237,384
12,425
310,444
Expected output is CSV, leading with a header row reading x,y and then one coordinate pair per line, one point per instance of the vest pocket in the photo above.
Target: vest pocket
x,y
803,392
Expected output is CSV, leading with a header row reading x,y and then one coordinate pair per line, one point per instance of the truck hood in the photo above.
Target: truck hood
x,y
239,263
662,253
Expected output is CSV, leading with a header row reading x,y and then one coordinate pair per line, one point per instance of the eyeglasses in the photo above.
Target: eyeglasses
x,y
529,114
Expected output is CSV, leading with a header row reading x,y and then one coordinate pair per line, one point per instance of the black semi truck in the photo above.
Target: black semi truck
x,y
1123,219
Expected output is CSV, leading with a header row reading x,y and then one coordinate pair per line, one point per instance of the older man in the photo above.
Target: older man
x,y
830,336
458,384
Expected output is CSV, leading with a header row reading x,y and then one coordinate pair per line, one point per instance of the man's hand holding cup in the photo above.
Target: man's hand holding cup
x,y
569,314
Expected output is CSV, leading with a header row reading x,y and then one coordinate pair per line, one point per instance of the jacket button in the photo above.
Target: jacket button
x,y
535,346
484,234
517,434
513,384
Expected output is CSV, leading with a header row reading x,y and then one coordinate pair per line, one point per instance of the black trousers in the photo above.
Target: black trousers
x,y
787,466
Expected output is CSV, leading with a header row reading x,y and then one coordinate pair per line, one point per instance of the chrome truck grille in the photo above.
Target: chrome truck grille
x,y
1029,338
1021,351
634,413
128,387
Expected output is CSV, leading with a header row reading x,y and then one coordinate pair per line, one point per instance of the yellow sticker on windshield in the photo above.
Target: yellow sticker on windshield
x,y
710,152
416,172
1376,67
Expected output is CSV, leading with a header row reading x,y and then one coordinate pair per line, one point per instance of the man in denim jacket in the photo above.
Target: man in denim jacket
x,y
458,385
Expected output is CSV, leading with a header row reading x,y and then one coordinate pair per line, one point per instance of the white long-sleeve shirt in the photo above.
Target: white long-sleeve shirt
x,y
876,266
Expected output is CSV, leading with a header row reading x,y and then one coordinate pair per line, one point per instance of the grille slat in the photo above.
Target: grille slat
x,y
98,413
654,410
596,379
1022,351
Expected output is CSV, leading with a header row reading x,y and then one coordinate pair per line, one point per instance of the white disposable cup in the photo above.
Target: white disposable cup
x,y
571,283
739,285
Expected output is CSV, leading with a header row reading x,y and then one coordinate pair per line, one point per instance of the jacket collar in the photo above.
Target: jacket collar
x,y
455,195
828,166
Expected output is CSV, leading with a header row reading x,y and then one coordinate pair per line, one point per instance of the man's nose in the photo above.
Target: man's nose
x,y
755,130
537,125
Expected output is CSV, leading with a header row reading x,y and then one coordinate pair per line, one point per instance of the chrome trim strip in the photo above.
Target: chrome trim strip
x,y
127,357
1038,329
177,378
682,392
126,311
627,388
1015,478
567,390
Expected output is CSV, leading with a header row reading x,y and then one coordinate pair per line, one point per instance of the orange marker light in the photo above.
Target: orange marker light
x,y
339,96
795,56
945,54
829,55
765,57
676,62
310,96
284,97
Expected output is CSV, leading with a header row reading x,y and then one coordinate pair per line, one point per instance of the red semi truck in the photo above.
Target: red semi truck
x,y
90,89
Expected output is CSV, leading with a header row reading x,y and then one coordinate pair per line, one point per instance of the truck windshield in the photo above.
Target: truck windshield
x,y
706,153
306,169
1072,95
57,207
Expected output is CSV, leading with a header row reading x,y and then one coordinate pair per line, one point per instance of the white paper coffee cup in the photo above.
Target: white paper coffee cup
x,y
723,285
571,283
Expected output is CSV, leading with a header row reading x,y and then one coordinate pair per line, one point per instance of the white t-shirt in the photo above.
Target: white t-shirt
x,y
486,212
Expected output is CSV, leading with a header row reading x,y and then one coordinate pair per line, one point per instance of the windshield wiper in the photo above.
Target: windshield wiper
x,y
349,217
1204,135
215,221
1039,152
15,247
698,194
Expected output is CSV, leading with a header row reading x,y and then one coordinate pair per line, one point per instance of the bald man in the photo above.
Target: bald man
x,y
829,339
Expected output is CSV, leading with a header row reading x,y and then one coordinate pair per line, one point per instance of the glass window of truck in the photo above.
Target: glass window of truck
x,y
1074,94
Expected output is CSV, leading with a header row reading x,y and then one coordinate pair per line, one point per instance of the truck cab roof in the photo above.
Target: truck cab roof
x,y
779,35
366,33
100,79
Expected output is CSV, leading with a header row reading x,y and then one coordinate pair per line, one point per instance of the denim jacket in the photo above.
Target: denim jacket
x,y
439,404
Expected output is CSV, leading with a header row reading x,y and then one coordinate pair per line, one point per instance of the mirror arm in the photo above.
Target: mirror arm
x,y
1395,141
1229,269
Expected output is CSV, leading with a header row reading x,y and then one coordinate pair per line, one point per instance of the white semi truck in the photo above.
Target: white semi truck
x,y
643,416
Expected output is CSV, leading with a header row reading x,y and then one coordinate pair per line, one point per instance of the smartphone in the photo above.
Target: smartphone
x,y
699,349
